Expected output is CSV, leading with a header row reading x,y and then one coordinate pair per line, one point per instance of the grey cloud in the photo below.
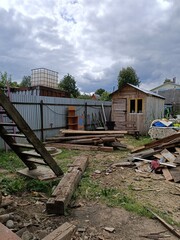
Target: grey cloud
x,y
116,34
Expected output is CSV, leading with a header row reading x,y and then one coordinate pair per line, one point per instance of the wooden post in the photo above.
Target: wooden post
x,y
42,120
85,116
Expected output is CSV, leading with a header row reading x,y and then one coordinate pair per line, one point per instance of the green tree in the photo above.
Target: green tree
x,y
6,81
26,81
105,96
68,84
128,75
99,91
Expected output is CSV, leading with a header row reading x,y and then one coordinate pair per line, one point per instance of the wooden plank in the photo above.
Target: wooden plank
x,y
7,124
177,149
62,194
138,149
22,145
168,155
42,173
84,141
81,147
61,139
167,225
167,174
7,234
163,140
16,135
64,232
37,161
175,174
163,164
158,155
31,153
80,132
93,140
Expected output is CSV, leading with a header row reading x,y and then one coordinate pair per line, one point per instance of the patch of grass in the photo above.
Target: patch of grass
x,y
137,143
17,185
92,190
10,161
65,158
12,185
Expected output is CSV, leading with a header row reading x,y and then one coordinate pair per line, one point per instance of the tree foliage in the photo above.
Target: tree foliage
x,y
128,75
105,96
68,84
6,81
99,91
26,81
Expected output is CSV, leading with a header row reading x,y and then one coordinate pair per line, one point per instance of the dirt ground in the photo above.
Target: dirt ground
x,y
94,218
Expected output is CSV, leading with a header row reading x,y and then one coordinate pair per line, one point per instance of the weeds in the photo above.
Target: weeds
x,y
10,161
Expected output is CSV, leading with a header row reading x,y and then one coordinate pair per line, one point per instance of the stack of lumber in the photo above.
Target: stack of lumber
x,y
88,140
166,151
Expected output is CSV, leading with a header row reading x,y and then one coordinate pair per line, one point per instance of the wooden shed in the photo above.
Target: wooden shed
x,y
134,108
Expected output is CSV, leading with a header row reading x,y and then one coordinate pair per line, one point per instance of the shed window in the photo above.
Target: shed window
x,y
132,106
136,106
139,105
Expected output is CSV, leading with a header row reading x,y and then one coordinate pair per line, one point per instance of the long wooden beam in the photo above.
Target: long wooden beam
x,y
68,138
62,194
80,132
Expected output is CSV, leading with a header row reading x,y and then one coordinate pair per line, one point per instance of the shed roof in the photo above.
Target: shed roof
x,y
142,90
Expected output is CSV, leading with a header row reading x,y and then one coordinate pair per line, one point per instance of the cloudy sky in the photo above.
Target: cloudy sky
x,y
91,39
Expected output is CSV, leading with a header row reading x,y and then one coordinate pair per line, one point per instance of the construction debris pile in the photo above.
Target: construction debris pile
x,y
161,156
88,140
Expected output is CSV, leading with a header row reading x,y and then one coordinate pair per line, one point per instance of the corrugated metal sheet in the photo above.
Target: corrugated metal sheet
x,y
54,112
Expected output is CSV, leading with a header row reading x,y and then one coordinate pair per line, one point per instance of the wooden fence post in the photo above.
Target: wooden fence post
x,y
42,120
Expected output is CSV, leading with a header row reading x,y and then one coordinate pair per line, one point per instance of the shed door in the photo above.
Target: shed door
x,y
119,112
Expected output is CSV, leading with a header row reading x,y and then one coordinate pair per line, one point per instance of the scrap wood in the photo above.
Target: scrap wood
x,y
175,174
177,149
168,155
93,140
167,225
167,174
174,137
161,143
155,236
64,232
7,234
62,194
177,160
146,160
82,147
123,164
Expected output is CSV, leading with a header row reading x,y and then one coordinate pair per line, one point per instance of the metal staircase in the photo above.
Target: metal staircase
x,y
38,155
